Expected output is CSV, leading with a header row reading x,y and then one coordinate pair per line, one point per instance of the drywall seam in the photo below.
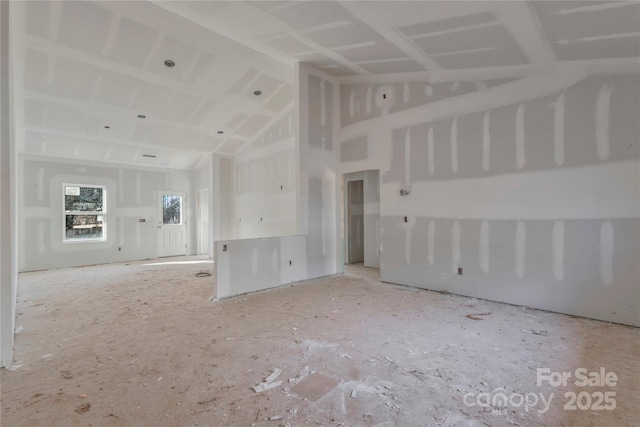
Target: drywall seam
x,y
525,89
606,253
486,141
521,241
407,159
484,255
430,152
455,247
607,66
431,230
454,145
558,250
607,190
520,149
558,130
602,119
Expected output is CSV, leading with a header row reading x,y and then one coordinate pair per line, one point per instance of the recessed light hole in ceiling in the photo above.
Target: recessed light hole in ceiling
x,y
142,116
169,63
220,132
257,92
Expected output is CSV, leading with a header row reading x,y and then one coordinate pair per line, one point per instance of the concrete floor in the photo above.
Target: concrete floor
x,y
141,344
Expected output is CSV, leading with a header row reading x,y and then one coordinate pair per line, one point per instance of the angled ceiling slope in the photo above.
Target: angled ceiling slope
x,y
92,68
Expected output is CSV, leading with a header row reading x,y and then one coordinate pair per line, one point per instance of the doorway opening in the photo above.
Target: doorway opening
x,y
361,222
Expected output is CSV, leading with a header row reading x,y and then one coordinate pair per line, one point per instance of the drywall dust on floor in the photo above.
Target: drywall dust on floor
x,y
141,344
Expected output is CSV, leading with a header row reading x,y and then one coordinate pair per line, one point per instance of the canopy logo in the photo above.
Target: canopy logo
x,y
584,400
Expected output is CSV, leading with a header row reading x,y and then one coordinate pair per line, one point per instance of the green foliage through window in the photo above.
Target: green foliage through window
x,y
171,209
84,213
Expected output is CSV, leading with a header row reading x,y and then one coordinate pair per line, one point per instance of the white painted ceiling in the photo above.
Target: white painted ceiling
x,y
85,70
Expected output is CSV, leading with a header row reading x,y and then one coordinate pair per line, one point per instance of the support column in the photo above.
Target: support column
x,y
8,241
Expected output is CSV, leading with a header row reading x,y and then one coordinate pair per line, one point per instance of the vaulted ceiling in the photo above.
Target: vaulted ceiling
x,y
91,82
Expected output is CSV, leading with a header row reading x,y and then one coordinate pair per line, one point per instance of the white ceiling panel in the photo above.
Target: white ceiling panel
x,y
60,146
308,14
121,153
239,86
92,64
36,75
318,59
354,33
286,43
207,7
265,84
623,47
237,120
230,146
209,144
64,118
93,150
142,132
395,66
572,20
175,50
35,112
201,112
280,99
379,50
252,125
338,70
149,96
591,30
74,79
482,47
92,125
198,67
34,142
84,25
448,25
115,89
179,107
133,43
37,18
168,136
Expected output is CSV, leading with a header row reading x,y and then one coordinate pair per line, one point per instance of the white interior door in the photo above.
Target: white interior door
x,y
172,225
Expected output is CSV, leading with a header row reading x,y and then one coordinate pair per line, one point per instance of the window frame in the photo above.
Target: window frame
x,y
66,213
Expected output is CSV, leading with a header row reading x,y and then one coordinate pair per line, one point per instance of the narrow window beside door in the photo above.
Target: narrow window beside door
x,y
85,213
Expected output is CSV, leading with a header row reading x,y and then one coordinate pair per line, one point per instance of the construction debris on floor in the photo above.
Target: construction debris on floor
x,y
141,344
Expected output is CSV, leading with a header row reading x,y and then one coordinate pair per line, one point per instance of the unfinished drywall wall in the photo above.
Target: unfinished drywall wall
x,y
223,201
8,192
318,149
131,218
371,215
249,265
360,102
266,177
214,174
526,192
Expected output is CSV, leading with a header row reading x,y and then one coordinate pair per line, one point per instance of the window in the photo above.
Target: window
x,y
171,210
85,213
